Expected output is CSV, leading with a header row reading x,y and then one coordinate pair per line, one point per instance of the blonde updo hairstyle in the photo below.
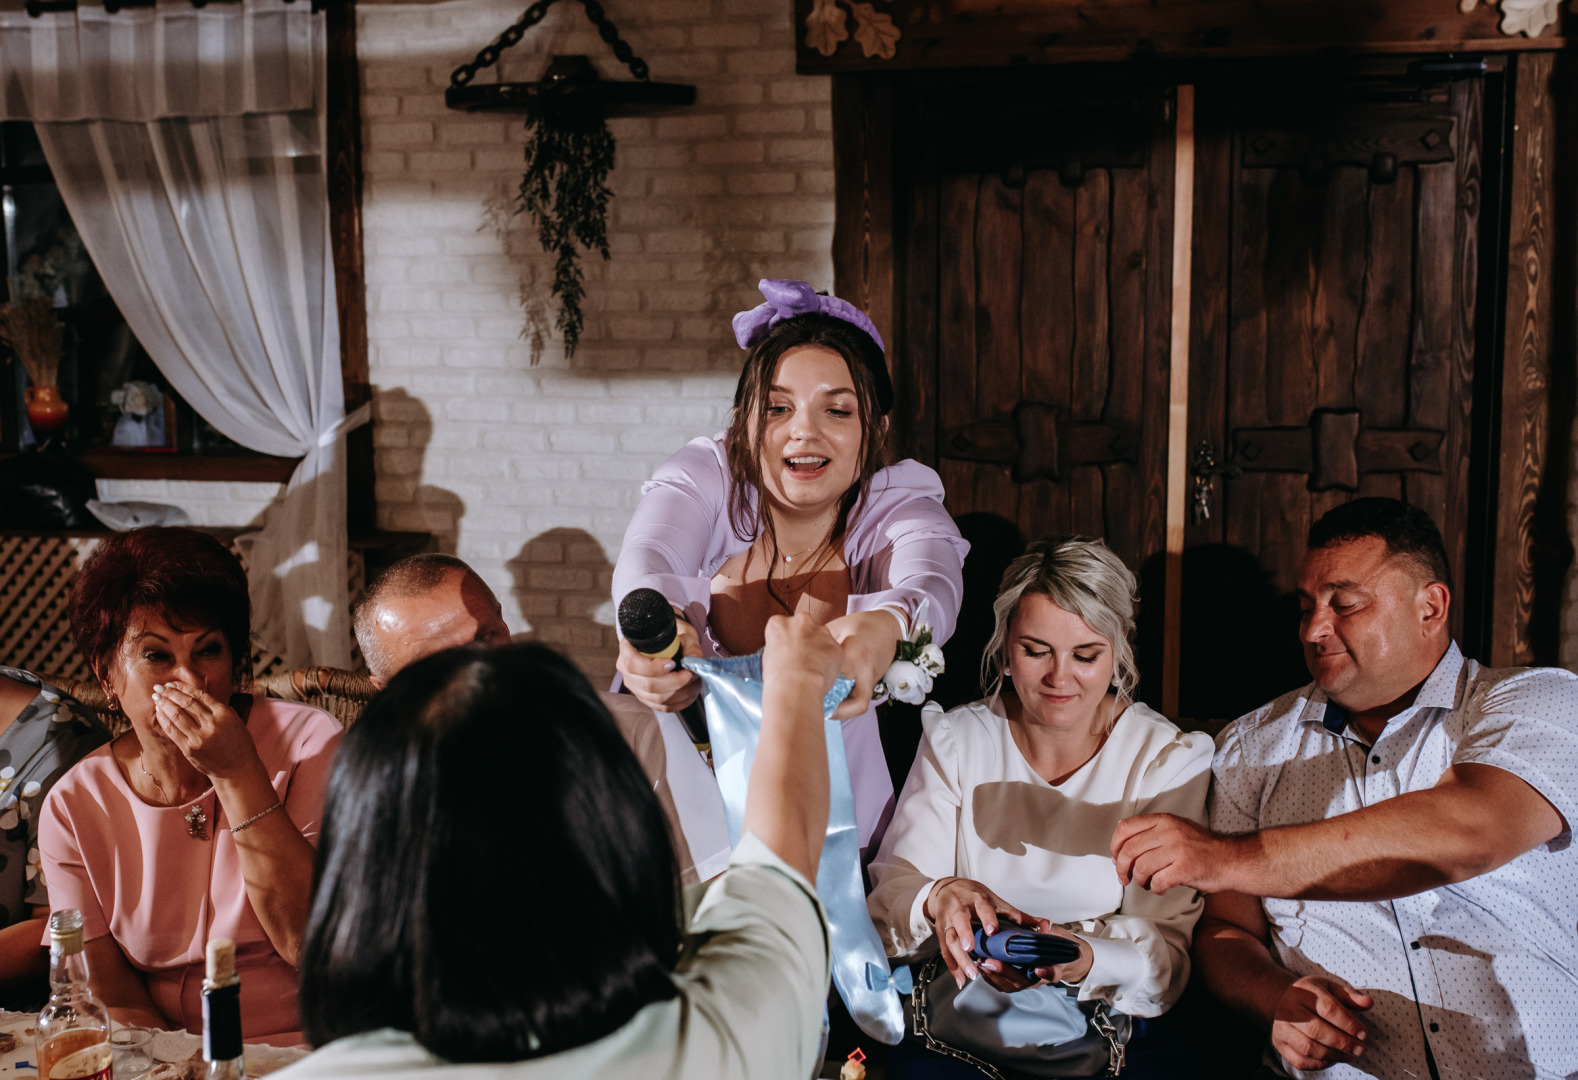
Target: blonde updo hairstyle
x,y
1080,576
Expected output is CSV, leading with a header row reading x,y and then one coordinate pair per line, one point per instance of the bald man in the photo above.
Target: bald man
x,y
427,603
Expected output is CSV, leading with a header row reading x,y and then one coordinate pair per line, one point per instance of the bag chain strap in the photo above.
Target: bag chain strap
x,y
1100,1020
923,1027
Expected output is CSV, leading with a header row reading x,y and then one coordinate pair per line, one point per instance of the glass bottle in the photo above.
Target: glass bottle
x,y
222,1013
74,1028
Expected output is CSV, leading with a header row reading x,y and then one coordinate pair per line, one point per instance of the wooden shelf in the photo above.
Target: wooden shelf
x,y
397,544
110,464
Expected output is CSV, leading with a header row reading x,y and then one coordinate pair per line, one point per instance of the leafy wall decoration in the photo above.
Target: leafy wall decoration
x,y
827,25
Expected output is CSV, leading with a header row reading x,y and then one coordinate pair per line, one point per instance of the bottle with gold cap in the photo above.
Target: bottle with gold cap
x,y
222,1013
74,1028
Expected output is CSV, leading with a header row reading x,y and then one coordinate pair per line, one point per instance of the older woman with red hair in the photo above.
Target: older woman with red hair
x,y
199,822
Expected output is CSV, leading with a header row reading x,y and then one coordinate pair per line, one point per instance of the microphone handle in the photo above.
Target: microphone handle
x,y
694,717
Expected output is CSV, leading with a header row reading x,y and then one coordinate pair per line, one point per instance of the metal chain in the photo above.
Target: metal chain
x,y
1101,1020
534,15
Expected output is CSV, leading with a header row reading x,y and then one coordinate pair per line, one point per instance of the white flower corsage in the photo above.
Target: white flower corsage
x,y
916,663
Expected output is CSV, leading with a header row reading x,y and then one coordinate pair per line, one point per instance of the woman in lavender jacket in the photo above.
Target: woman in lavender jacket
x,y
792,510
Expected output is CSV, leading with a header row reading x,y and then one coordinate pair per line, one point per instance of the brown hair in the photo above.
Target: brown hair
x,y
744,444
189,577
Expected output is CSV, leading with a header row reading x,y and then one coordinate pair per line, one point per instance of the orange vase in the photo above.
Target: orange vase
x,y
45,409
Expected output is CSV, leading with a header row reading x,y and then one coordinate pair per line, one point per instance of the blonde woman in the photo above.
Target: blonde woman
x,y
1006,817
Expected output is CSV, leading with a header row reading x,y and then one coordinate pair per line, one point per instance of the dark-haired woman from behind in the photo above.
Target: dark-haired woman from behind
x,y
495,886
198,822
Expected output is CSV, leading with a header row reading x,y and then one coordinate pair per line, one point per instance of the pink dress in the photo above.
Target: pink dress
x,y
901,545
137,874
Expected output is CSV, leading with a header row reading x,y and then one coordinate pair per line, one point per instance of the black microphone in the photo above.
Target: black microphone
x,y
648,622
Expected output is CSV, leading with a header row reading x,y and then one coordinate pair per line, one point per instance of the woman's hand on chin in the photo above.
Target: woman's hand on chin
x,y
206,730
869,640
662,685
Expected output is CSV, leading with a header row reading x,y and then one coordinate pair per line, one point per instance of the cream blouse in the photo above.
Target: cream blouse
x,y
974,808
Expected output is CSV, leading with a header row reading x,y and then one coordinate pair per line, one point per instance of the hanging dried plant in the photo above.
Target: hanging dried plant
x,y
569,152
32,331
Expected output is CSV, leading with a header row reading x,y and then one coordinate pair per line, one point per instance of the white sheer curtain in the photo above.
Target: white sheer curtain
x,y
188,145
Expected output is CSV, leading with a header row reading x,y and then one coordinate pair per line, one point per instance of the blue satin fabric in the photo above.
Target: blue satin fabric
x,y
734,723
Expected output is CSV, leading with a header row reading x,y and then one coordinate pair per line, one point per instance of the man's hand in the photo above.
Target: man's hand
x,y
1314,1025
1161,851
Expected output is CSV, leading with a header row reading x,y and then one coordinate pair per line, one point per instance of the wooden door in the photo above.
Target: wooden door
x,y
1035,320
1334,328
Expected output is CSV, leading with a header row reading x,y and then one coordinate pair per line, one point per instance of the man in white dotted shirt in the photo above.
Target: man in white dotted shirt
x,y
1393,889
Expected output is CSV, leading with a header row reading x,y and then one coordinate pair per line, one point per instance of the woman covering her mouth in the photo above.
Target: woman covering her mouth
x,y
792,509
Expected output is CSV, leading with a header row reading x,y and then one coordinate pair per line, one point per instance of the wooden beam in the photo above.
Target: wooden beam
x,y
1526,363
863,197
344,140
994,33
1178,391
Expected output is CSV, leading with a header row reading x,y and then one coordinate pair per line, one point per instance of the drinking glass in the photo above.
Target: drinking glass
x,y
133,1051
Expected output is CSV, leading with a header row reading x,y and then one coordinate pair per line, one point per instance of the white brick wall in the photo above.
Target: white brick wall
x,y
530,472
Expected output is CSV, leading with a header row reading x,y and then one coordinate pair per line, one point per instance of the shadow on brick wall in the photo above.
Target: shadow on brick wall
x,y
562,579
405,427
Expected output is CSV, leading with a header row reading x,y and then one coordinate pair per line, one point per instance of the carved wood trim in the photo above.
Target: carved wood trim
x,y
990,34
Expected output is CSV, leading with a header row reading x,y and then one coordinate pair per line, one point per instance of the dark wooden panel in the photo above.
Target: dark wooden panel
x,y
1247,391
956,367
1293,232
1335,303
1047,320
1124,487
862,110
344,142
1209,326
1526,363
1088,373
999,241
991,33
1386,314
1149,493
1430,368
1385,317
914,357
1468,102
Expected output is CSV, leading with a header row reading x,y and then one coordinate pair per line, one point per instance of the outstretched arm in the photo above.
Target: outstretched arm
x,y
1476,818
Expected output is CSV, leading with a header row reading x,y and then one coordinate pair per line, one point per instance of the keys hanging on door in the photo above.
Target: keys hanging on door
x,y
1206,470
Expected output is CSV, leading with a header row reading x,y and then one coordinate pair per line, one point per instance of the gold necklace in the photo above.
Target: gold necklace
x,y
791,557
195,818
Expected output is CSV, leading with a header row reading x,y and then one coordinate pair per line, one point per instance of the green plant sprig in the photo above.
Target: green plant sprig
x,y
568,158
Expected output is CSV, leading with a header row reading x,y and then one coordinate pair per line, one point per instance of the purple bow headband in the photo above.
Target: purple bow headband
x,y
786,299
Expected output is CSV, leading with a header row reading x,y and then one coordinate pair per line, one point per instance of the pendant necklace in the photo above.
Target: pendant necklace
x,y
195,818
791,557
